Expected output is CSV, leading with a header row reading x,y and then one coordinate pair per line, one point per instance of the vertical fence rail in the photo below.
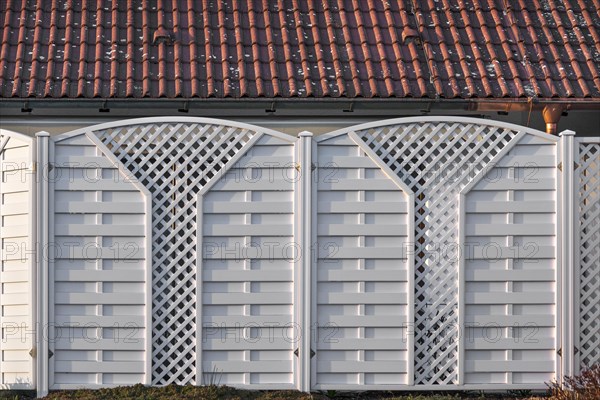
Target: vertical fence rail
x,y
567,250
304,224
42,171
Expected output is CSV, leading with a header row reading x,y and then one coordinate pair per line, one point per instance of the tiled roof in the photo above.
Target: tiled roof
x,y
296,48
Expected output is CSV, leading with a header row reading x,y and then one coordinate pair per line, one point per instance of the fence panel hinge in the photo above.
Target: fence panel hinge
x,y
559,352
559,166
297,353
33,352
50,353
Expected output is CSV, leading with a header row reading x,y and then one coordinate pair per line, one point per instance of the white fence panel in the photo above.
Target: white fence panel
x,y
17,261
510,268
443,256
99,270
363,293
587,272
249,328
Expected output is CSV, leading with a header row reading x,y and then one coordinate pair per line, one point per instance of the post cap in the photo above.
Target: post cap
x,y
42,134
305,134
567,132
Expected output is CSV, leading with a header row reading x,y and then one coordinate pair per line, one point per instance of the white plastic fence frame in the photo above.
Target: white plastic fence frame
x,y
18,280
569,334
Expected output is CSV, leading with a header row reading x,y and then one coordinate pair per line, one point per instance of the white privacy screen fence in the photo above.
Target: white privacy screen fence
x,y
416,253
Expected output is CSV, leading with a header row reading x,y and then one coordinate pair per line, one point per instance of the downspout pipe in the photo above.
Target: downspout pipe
x,y
552,114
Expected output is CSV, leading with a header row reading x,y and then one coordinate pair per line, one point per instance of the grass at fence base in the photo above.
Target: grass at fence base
x,y
173,392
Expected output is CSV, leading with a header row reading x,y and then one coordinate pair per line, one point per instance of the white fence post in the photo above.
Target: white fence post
x,y
41,201
567,250
304,221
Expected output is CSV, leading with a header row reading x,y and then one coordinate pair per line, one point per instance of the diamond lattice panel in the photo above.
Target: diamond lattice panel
x,y
174,161
436,160
589,255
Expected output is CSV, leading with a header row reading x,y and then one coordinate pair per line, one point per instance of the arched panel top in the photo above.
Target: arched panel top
x,y
438,119
16,135
181,120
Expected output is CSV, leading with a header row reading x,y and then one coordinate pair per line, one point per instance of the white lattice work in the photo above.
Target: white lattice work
x,y
436,160
588,174
174,161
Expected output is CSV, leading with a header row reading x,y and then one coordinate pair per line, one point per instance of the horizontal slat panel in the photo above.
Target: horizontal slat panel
x,y
14,186
243,253
510,298
362,298
248,366
95,185
328,162
14,321
17,341
14,276
363,252
511,184
234,321
243,207
247,275
99,230
262,343
15,298
266,184
100,298
106,253
100,344
357,184
511,206
362,275
524,161
354,207
493,251
83,162
99,207
251,161
509,275
510,344
247,230
14,208
509,366
14,231
364,320
113,321
361,230
247,298
107,367
361,344
100,275
16,367
508,320
510,229
361,366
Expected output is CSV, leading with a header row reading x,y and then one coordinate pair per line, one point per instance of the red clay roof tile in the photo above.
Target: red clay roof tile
x,y
293,48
